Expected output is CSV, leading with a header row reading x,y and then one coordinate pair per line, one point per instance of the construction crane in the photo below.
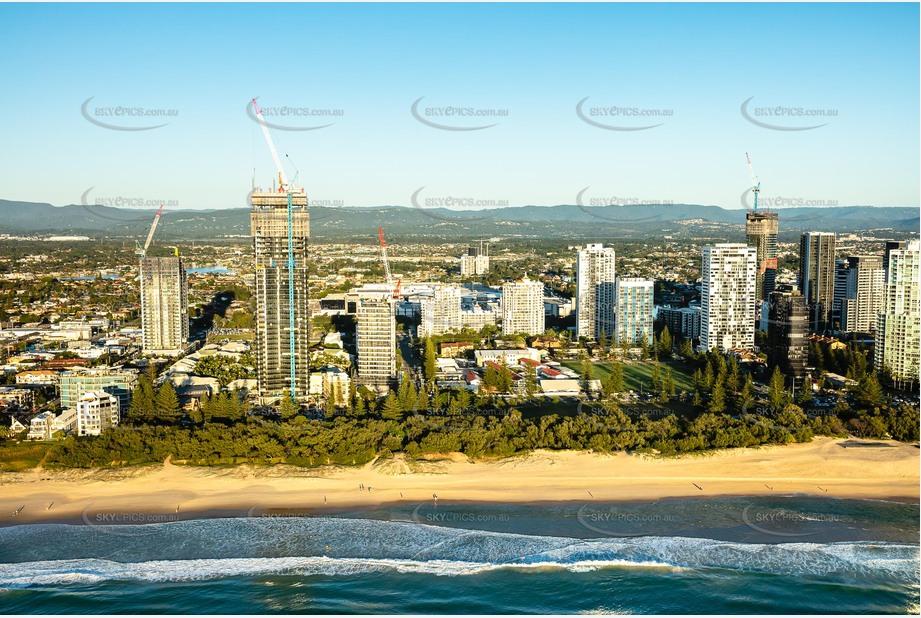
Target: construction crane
x,y
395,288
283,187
756,184
282,178
140,251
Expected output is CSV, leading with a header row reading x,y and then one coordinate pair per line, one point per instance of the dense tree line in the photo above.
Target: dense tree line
x,y
416,423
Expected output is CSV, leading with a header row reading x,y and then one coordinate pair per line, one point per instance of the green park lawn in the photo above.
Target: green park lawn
x,y
639,374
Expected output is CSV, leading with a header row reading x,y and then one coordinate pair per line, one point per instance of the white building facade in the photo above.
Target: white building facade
x,y
728,288
595,291
523,307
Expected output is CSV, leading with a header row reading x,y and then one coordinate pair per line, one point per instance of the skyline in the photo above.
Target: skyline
x,y
203,158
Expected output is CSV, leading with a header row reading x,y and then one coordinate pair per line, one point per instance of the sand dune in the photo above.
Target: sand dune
x,y
825,467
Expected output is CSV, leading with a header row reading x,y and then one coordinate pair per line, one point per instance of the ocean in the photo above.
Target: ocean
x,y
773,555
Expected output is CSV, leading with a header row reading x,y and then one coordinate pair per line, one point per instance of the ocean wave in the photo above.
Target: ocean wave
x,y
206,549
70,572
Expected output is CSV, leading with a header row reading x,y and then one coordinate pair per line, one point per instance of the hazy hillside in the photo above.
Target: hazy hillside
x,y
560,221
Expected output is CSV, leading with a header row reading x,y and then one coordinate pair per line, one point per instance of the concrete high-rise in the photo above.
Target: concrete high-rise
x,y
523,307
375,339
596,291
164,305
476,262
817,277
761,231
441,312
282,318
841,274
863,294
891,245
727,308
898,331
787,346
75,383
634,316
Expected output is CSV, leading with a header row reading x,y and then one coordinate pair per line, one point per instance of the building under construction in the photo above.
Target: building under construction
x,y
164,305
282,319
761,232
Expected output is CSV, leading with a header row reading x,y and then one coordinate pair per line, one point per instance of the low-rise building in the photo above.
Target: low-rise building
x,y
96,412
37,377
41,427
511,356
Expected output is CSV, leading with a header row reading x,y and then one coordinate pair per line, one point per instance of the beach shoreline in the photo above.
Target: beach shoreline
x,y
826,467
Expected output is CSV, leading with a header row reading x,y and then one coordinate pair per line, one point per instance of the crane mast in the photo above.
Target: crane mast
x,y
282,178
387,273
284,187
756,184
142,251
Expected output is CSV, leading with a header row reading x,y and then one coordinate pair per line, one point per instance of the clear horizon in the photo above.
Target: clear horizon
x,y
712,81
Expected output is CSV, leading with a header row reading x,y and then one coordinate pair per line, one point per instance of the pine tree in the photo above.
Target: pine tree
x,y
655,380
869,392
463,399
505,377
717,403
289,408
141,409
587,372
777,394
617,376
530,380
422,401
166,404
804,397
392,410
490,377
665,343
746,396
431,365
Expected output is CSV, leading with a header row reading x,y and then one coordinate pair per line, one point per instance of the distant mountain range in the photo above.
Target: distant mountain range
x,y
562,221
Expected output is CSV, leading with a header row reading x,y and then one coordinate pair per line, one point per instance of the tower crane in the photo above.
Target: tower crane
x,y
387,273
756,184
282,178
284,187
140,251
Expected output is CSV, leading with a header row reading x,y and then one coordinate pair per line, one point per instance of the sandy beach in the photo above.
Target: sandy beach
x,y
826,467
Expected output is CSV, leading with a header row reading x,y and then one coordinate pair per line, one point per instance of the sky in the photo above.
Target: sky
x,y
686,68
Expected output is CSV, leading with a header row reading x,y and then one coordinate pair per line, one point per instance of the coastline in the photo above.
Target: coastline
x,y
824,468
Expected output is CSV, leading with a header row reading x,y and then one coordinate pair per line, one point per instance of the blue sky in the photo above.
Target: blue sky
x,y
537,61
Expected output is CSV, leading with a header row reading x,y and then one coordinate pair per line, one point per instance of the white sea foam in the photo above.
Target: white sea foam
x,y
208,549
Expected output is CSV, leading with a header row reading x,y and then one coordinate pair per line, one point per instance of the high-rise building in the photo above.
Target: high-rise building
x,y
761,230
890,246
634,316
476,262
841,274
96,412
375,339
164,305
596,291
727,308
118,382
863,293
523,307
681,322
282,315
787,346
817,277
441,312
898,331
